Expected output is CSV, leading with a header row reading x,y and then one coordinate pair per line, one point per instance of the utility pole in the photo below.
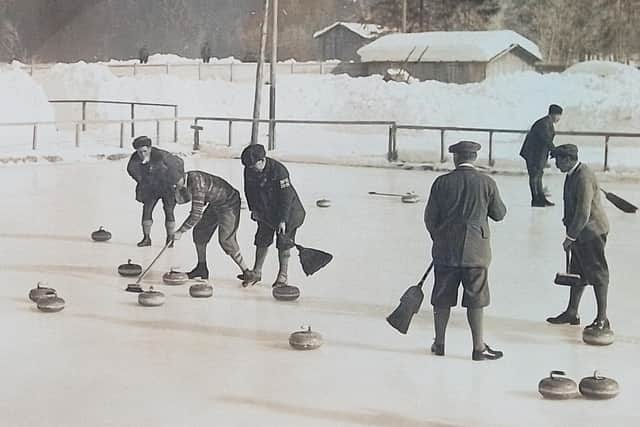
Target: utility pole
x,y
274,66
404,16
259,77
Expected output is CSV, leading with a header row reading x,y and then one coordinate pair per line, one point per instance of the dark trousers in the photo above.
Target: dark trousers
x,y
447,281
535,172
588,260
168,204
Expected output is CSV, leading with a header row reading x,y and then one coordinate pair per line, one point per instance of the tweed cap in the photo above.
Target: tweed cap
x,y
465,147
555,109
565,150
252,154
141,141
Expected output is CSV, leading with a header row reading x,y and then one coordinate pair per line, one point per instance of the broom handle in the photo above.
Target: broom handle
x,y
385,194
152,262
424,276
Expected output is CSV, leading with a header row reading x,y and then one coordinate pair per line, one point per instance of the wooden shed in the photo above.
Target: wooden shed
x,y
341,40
451,56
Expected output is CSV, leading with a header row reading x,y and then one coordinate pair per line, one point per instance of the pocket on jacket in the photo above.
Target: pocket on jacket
x,y
486,233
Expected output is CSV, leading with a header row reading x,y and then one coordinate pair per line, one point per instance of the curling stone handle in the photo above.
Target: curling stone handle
x,y
152,262
424,276
563,373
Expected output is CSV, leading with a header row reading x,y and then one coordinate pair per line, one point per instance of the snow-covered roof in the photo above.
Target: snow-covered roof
x,y
446,46
366,31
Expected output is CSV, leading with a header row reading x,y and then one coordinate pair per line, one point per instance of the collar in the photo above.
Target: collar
x,y
467,165
573,169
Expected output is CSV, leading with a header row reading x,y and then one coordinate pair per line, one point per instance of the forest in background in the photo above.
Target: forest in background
x,y
71,30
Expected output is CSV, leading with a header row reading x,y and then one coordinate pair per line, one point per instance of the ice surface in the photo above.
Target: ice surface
x,y
105,361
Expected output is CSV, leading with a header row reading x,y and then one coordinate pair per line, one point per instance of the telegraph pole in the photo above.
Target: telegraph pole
x,y
404,16
259,77
274,66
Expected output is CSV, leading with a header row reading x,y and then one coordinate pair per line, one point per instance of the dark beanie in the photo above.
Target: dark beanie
x,y
555,109
252,154
141,141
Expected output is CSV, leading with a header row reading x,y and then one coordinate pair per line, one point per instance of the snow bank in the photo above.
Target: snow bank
x,y
600,68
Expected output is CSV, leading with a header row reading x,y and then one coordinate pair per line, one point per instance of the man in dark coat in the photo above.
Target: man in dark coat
x,y
535,150
587,228
215,204
143,54
275,206
205,52
156,172
456,217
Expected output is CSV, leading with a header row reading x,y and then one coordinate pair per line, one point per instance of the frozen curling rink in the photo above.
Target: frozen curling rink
x,y
106,361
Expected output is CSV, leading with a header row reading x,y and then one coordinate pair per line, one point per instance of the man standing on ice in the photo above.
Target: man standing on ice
x,y
275,206
456,217
215,204
535,150
587,228
156,172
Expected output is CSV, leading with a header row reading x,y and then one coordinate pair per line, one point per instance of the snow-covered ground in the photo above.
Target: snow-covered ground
x,y
592,103
105,361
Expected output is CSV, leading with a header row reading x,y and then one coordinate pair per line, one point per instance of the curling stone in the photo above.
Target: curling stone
x,y
410,198
305,340
151,298
597,387
285,293
50,304
323,203
129,269
201,290
41,291
101,235
557,388
174,277
594,336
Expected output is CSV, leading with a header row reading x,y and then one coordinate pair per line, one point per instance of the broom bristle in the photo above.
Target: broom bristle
x,y
620,203
313,260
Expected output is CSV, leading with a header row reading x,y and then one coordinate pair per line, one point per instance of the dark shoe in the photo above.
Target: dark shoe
x,y
437,349
146,241
200,270
169,241
564,318
600,324
548,203
486,354
538,204
249,278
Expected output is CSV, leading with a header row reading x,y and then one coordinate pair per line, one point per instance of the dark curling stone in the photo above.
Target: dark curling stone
x,y
323,203
410,198
557,388
305,340
151,298
50,304
174,277
201,290
285,293
41,291
597,387
101,235
129,269
594,336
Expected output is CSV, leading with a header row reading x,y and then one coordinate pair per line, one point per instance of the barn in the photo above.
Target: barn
x,y
451,56
341,40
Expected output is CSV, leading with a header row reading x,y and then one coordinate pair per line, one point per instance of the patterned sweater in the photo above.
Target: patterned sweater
x,y
208,190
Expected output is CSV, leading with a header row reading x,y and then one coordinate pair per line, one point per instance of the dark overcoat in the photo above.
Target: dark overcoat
x,y
456,217
156,177
538,143
584,216
271,195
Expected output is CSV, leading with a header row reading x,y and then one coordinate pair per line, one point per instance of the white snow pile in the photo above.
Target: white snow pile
x,y
443,46
600,68
163,59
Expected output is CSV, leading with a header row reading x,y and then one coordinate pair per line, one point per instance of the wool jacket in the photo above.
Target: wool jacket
x,y
584,216
538,142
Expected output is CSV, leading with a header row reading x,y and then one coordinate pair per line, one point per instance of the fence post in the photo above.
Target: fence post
x,y
231,71
606,153
175,124
84,115
196,135
229,133
121,134
199,72
390,145
167,68
133,117
321,67
491,161
134,69
395,142
292,68
443,157
78,134
157,132
34,143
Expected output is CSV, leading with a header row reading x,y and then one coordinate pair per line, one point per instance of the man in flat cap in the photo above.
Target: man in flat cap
x,y
456,217
587,228
535,150
275,206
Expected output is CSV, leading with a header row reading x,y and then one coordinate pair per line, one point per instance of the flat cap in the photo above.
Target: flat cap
x,y
141,141
252,154
465,146
555,109
565,150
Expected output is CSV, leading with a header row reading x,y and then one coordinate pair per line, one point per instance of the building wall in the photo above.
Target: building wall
x,y
340,43
511,62
448,72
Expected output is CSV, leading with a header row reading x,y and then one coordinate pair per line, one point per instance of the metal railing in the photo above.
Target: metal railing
x,y
393,127
78,124
132,105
